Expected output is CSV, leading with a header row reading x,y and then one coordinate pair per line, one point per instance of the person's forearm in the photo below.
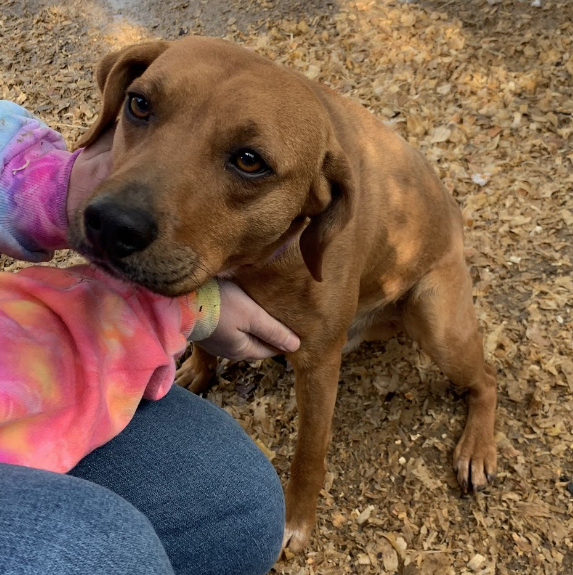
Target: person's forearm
x,y
34,174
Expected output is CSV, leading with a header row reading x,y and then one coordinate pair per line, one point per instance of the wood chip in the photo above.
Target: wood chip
x,y
484,89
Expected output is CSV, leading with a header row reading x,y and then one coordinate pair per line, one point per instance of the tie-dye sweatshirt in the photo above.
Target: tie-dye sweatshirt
x,y
78,349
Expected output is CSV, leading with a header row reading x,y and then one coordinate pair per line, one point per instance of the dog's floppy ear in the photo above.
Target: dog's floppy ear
x,y
114,74
335,192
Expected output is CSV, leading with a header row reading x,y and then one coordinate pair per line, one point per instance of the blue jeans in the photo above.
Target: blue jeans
x,y
182,490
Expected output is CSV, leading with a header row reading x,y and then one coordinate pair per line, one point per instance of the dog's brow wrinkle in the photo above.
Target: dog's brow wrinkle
x,y
151,87
156,84
244,132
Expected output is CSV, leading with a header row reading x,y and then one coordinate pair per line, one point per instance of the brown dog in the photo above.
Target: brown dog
x,y
228,165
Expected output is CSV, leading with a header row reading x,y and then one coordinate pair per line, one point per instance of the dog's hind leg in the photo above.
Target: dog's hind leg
x,y
440,316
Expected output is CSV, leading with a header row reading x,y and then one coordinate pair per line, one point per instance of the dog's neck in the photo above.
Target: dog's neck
x,y
280,246
273,252
281,249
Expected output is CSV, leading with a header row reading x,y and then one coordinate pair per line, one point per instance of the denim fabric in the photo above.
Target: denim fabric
x,y
52,524
182,484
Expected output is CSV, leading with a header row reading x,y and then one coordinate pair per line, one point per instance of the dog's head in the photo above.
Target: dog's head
x,y
220,158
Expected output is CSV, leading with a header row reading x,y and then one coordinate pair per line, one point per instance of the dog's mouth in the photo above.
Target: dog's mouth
x,y
162,284
164,278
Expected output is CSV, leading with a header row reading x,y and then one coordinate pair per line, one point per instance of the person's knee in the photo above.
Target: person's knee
x,y
64,525
213,498
261,527
238,503
245,533
253,516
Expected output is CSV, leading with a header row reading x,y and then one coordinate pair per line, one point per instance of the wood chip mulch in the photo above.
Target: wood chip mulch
x,y
485,89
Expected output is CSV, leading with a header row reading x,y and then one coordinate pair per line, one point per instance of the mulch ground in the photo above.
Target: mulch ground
x,y
485,90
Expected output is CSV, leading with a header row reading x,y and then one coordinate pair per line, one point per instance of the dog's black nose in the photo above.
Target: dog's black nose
x,y
115,230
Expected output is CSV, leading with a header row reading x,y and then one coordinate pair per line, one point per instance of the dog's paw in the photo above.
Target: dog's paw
x,y
296,536
475,461
195,376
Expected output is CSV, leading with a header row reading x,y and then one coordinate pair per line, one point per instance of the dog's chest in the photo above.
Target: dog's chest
x,y
371,322
357,331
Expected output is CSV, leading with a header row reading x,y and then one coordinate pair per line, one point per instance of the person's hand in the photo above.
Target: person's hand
x,y
92,166
245,330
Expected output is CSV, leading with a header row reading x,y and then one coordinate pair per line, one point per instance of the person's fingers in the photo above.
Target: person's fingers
x,y
103,167
253,349
247,331
101,145
254,320
271,331
238,347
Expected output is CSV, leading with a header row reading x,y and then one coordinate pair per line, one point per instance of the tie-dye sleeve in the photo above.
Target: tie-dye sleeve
x,y
34,173
78,352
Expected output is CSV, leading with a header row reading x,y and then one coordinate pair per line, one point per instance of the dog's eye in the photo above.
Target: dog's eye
x,y
249,163
138,107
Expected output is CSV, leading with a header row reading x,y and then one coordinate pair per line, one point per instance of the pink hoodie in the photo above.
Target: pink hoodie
x,y
78,349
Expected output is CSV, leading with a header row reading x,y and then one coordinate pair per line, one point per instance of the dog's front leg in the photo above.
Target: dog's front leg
x,y
197,372
316,385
